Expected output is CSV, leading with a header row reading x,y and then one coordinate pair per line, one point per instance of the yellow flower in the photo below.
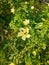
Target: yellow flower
x,y
11,64
26,22
12,10
32,7
48,4
48,61
21,32
24,33
25,36
26,2
34,53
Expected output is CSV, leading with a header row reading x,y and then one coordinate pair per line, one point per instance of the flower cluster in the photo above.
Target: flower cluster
x,y
24,32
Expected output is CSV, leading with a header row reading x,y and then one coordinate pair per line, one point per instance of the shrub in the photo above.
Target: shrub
x,y
24,36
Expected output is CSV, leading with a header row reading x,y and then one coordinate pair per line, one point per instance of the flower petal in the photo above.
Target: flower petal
x,y
28,35
24,37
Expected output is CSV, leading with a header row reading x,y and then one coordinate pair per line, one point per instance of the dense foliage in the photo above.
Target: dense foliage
x,y
24,32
